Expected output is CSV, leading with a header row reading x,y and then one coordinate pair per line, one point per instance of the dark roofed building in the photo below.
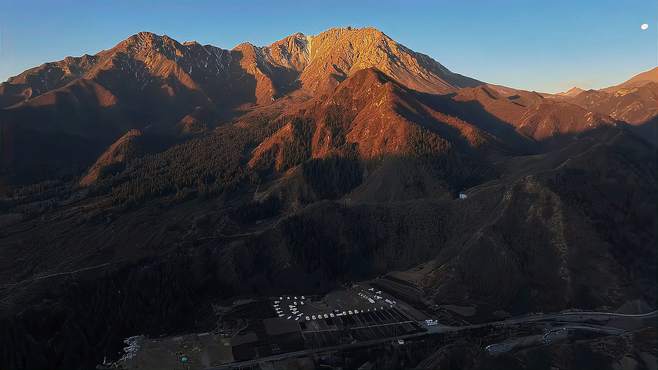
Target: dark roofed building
x,y
277,326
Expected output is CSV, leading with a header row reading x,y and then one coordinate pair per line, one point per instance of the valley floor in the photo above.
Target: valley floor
x,y
334,329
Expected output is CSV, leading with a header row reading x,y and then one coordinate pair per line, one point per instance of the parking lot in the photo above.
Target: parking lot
x,y
358,313
362,326
355,300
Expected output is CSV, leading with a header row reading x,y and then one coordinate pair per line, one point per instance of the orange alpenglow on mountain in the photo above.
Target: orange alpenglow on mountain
x,y
154,83
160,187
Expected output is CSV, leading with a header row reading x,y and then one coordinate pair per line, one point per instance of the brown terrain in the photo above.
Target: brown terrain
x,y
145,182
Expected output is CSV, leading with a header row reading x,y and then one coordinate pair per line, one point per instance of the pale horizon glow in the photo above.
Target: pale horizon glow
x,y
547,46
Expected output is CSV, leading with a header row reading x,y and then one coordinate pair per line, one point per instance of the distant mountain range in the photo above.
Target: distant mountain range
x,y
173,175
75,107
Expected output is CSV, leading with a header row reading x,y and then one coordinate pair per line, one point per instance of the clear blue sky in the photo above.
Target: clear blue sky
x,y
543,45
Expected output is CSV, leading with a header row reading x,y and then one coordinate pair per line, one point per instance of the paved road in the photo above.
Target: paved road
x,y
579,316
575,316
57,274
281,356
440,329
555,334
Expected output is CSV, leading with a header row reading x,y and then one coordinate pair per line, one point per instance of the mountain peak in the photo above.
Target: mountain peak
x,y
356,35
643,78
639,80
147,39
354,31
571,92
314,63
144,36
343,51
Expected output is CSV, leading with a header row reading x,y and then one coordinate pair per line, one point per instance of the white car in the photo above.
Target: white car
x,y
313,317
308,318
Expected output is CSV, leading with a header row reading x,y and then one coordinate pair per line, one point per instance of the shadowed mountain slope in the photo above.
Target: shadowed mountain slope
x,y
160,178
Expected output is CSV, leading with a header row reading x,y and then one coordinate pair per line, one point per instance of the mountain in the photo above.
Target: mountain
x,y
123,150
529,121
147,184
634,105
156,84
316,63
634,101
341,52
571,92
44,78
132,145
638,80
372,117
151,82
549,119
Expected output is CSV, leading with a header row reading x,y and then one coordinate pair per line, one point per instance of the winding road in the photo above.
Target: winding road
x,y
568,318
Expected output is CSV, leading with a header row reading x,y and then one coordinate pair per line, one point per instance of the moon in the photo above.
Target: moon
x,y
644,27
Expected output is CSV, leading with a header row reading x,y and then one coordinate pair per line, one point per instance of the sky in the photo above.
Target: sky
x,y
541,45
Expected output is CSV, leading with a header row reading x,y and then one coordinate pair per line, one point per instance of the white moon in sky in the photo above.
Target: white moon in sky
x,y
644,26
